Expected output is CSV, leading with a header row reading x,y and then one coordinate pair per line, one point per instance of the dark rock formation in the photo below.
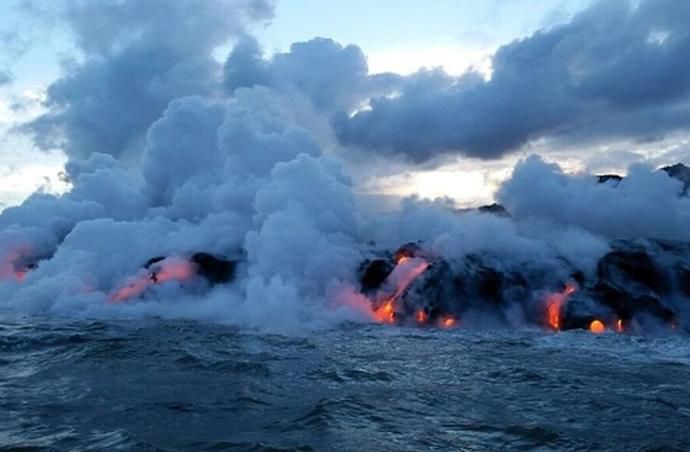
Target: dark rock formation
x,y
636,282
677,171
602,178
373,273
680,172
217,270
496,209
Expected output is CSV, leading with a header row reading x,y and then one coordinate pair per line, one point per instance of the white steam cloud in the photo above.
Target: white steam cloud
x,y
229,168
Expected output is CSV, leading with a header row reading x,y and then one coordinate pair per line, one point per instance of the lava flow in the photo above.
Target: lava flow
x,y
554,304
170,269
447,322
619,326
406,271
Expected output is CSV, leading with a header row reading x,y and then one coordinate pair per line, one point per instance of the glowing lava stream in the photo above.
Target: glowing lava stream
x,y
169,269
405,272
619,326
554,303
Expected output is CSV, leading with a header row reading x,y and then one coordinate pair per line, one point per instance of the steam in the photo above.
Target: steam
x,y
647,203
171,154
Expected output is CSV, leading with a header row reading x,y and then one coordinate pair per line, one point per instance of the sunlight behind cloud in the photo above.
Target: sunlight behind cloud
x,y
453,58
466,188
17,183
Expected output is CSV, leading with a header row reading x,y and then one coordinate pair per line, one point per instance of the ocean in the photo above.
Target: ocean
x,y
165,385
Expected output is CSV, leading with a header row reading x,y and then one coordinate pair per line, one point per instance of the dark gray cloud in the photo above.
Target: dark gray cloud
x,y
332,76
138,56
615,70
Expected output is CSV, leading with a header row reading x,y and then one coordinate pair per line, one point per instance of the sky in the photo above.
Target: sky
x,y
478,127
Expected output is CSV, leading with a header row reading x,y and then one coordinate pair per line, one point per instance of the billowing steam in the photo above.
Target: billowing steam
x,y
214,199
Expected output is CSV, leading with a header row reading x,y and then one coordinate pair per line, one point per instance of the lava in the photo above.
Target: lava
x,y
554,304
173,270
447,322
597,327
20,275
405,272
619,326
133,289
170,269
630,282
386,312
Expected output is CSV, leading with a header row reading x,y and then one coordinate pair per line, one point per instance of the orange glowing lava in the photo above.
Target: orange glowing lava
x,y
405,272
597,327
421,317
619,326
554,303
385,313
448,322
133,289
407,269
174,270
170,269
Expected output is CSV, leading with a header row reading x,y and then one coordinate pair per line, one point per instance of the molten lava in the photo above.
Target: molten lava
x,y
170,269
554,304
389,309
597,327
405,272
619,326
447,322
385,313
173,270
133,289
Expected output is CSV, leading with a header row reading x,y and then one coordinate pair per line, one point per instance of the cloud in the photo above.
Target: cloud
x,y
138,56
231,145
331,75
644,204
615,70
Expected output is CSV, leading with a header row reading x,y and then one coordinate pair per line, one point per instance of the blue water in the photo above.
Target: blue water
x,y
162,385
